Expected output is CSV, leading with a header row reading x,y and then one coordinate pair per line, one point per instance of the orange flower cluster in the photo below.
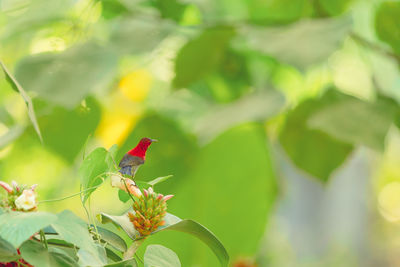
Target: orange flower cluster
x,y
149,212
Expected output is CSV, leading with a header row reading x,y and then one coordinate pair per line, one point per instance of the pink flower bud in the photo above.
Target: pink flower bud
x,y
33,187
167,197
133,189
145,193
160,196
6,186
15,185
151,191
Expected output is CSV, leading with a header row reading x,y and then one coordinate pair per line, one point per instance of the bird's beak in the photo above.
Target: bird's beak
x,y
153,140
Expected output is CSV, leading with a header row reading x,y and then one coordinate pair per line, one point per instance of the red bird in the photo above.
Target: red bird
x,y
132,160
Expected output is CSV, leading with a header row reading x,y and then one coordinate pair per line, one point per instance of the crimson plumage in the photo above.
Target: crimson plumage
x,y
135,157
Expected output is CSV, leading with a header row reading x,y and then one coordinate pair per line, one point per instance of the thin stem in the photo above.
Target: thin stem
x,y
127,190
83,204
80,192
73,195
361,40
43,239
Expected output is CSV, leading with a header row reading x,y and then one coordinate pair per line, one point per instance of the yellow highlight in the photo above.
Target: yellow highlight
x,y
389,201
115,127
136,85
120,115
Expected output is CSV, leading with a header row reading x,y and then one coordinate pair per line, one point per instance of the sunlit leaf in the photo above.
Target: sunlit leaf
x,y
31,112
314,40
159,180
94,169
387,23
16,227
66,78
160,256
201,55
36,254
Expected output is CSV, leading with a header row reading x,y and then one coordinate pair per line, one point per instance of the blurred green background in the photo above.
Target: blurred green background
x,y
278,119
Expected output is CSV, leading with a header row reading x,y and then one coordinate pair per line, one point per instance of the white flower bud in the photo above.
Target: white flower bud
x,y
26,201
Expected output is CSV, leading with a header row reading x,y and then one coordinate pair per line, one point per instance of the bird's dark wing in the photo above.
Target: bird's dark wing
x,y
130,161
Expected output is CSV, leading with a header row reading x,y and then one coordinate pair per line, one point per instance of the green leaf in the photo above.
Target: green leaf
x,y
126,263
123,196
121,222
138,35
67,78
255,107
62,124
213,192
112,239
93,169
34,16
201,55
159,180
277,11
354,121
86,257
336,7
315,40
11,135
312,150
112,255
16,227
160,256
36,254
387,23
205,235
173,223
28,101
75,231
5,117
112,9
171,9
7,251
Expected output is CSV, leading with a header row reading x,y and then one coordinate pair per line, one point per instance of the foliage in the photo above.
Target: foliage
x,y
237,92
